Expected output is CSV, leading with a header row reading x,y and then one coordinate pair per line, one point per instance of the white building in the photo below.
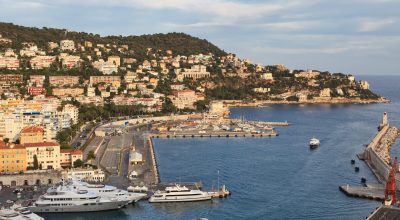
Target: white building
x,y
72,111
196,72
67,45
96,175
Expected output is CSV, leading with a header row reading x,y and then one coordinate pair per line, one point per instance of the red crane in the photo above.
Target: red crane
x,y
390,191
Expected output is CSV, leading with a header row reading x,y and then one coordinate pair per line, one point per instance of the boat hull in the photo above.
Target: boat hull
x,y
176,199
91,207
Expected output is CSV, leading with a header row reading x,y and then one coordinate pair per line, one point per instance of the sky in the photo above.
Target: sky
x,y
360,37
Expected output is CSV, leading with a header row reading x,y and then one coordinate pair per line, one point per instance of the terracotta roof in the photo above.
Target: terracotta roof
x,y
4,146
71,151
32,129
42,144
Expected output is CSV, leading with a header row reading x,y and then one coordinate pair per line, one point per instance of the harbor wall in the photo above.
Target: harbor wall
x,y
378,166
31,178
151,119
154,161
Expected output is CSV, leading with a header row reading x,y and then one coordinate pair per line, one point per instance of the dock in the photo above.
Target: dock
x,y
385,212
368,192
212,134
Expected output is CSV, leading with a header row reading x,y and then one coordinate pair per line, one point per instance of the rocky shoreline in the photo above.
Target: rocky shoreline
x,y
241,103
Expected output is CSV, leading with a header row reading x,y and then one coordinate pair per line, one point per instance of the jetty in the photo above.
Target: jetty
x,y
213,134
368,192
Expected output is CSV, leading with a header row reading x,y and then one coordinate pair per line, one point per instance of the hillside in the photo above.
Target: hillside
x,y
179,43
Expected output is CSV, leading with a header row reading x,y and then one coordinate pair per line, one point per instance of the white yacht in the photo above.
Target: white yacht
x,y
109,192
17,212
179,193
314,143
71,199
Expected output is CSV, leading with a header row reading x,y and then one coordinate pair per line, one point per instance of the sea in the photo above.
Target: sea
x,y
274,177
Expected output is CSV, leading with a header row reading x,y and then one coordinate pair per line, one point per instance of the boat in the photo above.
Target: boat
x,y
67,198
178,193
17,212
314,143
107,191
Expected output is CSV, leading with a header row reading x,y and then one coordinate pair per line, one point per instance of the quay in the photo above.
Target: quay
x,y
213,134
384,212
368,192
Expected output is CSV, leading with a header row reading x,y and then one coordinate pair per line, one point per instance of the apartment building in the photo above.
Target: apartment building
x,y
108,80
41,62
68,92
67,45
47,154
13,157
57,81
11,63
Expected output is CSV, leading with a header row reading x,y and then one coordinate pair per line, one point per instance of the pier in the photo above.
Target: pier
x,y
213,134
368,192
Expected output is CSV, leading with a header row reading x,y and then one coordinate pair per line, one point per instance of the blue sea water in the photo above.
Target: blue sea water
x,y
275,178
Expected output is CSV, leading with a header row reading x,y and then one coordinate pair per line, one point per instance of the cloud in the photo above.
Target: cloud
x,y
368,26
220,8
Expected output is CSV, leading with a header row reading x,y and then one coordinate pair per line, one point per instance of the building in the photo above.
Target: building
x,y
69,156
36,80
136,158
57,81
11,63
267,77
108,80
31,134
195,72
47,154
91,92
36,90
96,175
325,92
11,78
40,62
88,44
115,60
52,45
130,77
69,61
68,91
27,53
262,90
308,74
72,111
67,45
105,67
364,84
184,99
13,158
15,115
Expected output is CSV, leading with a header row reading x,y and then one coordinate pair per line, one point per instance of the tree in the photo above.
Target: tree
x,y
91,155
78,163
6,140
35,162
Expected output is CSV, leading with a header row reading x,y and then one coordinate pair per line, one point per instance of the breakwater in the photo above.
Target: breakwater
x,y
377,154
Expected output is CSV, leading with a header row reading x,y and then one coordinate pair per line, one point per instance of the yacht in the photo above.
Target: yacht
x,y
179,193
67,198
109,192
17,212
314,143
